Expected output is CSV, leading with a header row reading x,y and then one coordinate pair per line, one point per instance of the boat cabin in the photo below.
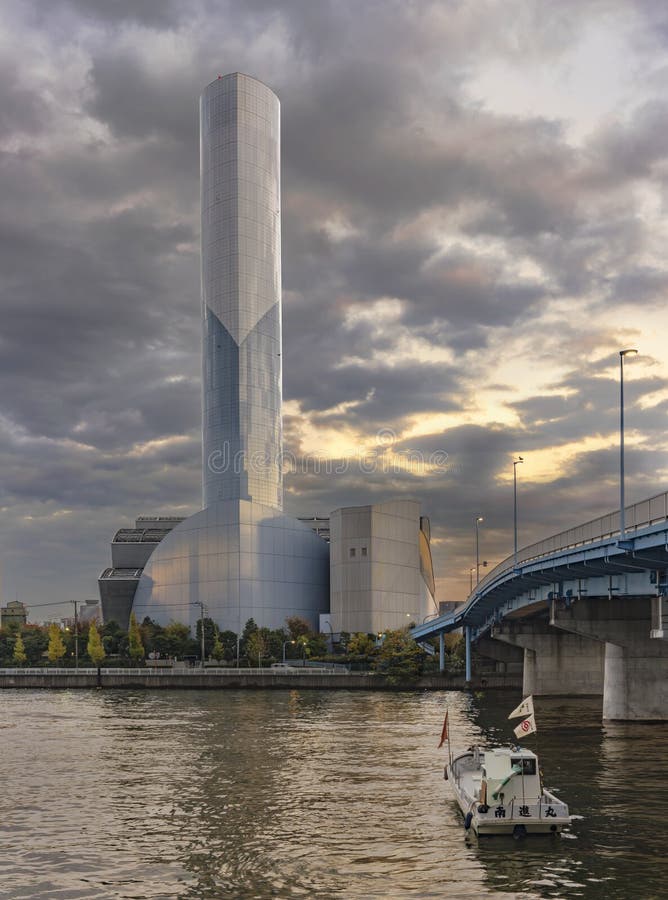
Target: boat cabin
x,y
510,773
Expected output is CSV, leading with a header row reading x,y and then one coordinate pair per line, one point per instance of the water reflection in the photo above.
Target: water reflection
x,y
293,794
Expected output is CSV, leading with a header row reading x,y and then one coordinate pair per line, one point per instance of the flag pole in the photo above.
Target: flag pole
x,y
449,747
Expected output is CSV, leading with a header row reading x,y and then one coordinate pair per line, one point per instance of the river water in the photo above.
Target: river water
x,y
244,794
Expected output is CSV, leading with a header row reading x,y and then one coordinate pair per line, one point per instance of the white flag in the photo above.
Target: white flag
x,y
524,709
528,726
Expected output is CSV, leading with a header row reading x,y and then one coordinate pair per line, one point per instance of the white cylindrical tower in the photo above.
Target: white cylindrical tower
x,y
241,291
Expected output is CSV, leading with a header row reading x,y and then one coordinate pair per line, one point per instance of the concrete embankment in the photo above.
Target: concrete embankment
x,y
193,680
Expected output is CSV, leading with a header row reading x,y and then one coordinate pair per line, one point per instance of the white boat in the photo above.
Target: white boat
x,y
499,791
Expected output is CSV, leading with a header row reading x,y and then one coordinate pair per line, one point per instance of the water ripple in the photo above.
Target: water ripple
x,y
286,794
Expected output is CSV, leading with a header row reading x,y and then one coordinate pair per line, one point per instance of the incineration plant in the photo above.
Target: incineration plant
x,y
241,556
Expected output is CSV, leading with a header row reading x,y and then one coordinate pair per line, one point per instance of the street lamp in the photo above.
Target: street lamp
x,y
516,463
201,622
285,643
471,571
622,523
478,520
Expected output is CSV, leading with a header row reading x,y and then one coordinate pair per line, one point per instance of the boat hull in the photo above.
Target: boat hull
x,y
545,814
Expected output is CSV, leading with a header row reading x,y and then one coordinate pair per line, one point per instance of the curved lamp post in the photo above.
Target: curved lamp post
x,y
622,502
520,459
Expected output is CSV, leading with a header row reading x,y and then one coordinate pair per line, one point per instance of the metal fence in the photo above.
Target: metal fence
x,y
165,672
639,515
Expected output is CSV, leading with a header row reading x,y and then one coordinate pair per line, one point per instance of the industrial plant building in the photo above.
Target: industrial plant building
x,y
241,556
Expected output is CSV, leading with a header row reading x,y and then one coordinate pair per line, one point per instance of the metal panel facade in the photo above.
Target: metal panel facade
x,y
241,291
242,560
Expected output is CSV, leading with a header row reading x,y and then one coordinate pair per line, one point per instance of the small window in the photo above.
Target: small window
x,y
352,552
363,551
528,766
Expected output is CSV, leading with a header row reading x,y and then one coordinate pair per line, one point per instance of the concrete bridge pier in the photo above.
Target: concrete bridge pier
x,y
555,663
507,659
635,684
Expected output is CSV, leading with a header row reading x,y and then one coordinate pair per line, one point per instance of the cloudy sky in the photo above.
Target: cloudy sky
x,y
474,223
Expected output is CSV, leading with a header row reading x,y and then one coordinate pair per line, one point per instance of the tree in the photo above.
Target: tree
x,y
19,651
95,648
56,649
210,634
114,639
176,641
298,627
256,648
135,642
361,644
274,641
318,644
35,640
150,631
399,657
218,651
228,640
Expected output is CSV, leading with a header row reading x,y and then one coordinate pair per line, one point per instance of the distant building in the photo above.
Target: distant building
x,y
89,611
241,555
381,571
319,524
130,551
14,613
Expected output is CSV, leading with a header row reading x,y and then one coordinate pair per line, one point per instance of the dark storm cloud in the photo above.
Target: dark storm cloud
x,y
99,338
81,324
151,13
21,108
136,102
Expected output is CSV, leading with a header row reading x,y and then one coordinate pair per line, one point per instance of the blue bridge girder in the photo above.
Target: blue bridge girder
x,y
583,555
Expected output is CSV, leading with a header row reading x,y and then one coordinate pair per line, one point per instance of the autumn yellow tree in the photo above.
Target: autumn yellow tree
x,y
95,648
256,648
134,637
56,649
19,651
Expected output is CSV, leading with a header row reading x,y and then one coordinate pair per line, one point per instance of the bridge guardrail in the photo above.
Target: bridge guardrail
x,y
638,515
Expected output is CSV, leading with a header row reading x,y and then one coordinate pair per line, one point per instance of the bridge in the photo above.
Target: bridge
x,y
585,611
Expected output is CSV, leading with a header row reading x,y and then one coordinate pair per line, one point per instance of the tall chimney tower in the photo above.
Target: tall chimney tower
x,y
241,292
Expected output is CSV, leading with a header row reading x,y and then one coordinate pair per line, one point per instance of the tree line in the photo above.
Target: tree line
x,y
393,653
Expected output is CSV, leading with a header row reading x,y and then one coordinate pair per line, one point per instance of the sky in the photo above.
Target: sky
x,y
474,224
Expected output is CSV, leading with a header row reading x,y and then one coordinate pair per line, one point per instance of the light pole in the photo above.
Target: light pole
x,y
303,644
622,502
285,643
201,622
471,571
516,463
76,633
478,520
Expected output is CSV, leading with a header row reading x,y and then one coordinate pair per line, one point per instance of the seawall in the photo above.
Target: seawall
x,y
263,679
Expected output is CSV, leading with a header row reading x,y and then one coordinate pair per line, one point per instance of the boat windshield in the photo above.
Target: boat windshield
x,y
526,766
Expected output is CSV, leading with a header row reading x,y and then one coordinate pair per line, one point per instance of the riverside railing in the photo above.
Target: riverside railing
x,y
167,672
639,515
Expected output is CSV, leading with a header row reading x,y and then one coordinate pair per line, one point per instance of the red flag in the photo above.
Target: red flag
x,y
444,733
